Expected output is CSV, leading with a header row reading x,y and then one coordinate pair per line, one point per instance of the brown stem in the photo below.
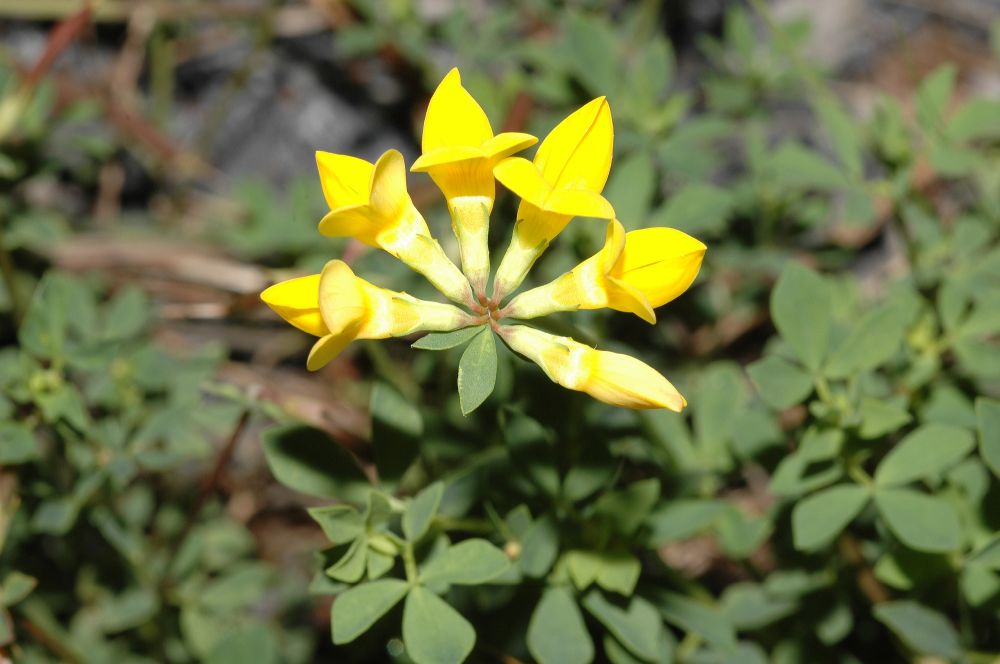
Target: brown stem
x,y
49,641
868,584
10,281
207,488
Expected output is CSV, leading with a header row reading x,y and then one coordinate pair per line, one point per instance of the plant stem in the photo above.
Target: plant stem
x,y
410,564
10,282
207,488
468,524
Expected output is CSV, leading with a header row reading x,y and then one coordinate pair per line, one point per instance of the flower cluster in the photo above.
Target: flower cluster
x,y
634,272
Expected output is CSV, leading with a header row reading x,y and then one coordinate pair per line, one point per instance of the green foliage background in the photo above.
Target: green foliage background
x,y
830,495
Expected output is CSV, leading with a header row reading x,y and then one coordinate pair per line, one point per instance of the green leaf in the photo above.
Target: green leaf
x,y
477,371
15,587
683,518
870,343
44,328
593,468
796,166
357,609
619,572
988,555
921,522
630,188
627,509
976,119
583,566
340,523
988,418
692,616
390,409
251,642
378,563
239,586
921,629
446,340
471,562
557,633
619,654
720,397
820,517
634,622
539,547
127,314
352,564
396,430
933,96
843,132
17,444
64,404
653,71
593,45
421,511
781,383
880,416
979,584
435,633
749,606
800,306
930,450
905,569
308,460
699,208
836,624
741,534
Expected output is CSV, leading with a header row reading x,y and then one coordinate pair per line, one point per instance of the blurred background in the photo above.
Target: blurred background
x,y
157,172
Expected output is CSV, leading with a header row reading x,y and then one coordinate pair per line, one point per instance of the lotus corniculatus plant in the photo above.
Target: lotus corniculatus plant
x,y
634,272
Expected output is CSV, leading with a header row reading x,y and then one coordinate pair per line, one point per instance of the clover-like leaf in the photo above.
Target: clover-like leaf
x,y
477,371
355,610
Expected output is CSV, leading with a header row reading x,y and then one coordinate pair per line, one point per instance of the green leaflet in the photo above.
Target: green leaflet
x,y
477,371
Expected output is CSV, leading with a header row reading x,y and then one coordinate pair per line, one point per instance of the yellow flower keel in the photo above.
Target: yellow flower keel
x,y
615,379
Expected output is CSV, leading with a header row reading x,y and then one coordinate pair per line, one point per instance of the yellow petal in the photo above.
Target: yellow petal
x,y
389,197
470,176
342,299
507,143
297,301
454,117
660,262
344,179
447,154
355,221
577,152
614,245
616,379
579,203
622,296
325,349
523,178
622,380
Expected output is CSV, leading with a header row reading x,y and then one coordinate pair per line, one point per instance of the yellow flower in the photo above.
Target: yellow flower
x,y
459,148
339,307
635,272
616,379
459,153
564,180
370,202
